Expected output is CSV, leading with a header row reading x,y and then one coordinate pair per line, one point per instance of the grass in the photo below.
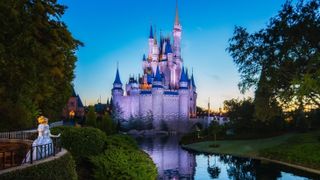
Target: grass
x,y
300,149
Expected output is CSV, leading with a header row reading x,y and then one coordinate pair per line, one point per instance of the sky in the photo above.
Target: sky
x,y
117,31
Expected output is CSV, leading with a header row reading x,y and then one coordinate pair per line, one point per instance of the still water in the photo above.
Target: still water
x,y
173,162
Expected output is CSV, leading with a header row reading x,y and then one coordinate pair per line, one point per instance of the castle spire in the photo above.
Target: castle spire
x,y
151,33
155,36
117,79
176,22
158,75
183,77
192,80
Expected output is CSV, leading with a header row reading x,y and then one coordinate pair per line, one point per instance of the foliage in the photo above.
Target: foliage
x,y
123,162
302,150
62,168
282,59
91,117
163,125
81,142
122,141
107,125
136,123
241,114
37,61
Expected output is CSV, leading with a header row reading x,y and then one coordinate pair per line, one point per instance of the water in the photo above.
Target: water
x,y
173,162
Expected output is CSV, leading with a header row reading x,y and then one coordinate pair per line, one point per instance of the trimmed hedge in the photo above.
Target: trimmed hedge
x,y
81,142
58,169
120,163
120,140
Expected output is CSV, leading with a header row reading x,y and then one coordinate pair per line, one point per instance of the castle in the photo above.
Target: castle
x,y
165,89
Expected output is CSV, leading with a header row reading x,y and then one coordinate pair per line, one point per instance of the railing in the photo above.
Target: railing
x,y
31,135
18,157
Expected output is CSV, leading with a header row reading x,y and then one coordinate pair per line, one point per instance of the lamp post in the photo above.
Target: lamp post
x,y
71,114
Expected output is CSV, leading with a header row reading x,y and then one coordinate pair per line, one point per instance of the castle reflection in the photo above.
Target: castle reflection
x,y
172,161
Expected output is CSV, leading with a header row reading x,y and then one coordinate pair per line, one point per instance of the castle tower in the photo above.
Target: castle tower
x,y
184,96
157,99
177,30
151,42
193,97
117,91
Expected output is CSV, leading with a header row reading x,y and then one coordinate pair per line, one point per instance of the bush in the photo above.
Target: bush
x,y
91,118
123,163
107,125
122,141
81,142
61,168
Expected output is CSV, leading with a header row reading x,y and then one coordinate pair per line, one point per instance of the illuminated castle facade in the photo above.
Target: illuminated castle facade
x,y
165,89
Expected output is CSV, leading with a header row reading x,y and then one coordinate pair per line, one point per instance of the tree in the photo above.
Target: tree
x,y
37,61
241,114
116,115
107,125
282,60
91,117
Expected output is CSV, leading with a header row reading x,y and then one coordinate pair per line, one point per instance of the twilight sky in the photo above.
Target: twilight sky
x,y
117,31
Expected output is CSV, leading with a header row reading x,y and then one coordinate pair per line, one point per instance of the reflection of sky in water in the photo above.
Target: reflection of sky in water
x,y
287,176
173,163
202,164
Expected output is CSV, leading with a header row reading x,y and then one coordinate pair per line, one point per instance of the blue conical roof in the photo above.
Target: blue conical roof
x,y
168,48
144,57
183,77
117,80
151,33
192,81
158,75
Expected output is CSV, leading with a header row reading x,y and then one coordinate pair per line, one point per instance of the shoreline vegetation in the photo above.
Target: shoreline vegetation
x,y
297,150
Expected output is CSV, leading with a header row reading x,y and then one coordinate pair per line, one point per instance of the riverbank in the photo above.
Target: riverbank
x,y
296,149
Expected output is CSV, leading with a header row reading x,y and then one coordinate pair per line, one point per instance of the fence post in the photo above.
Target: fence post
x,y
31,154
4,160
54,147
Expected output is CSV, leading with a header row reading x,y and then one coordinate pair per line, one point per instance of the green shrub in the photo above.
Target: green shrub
x,y
91,118
82,142
58,169
123,141
107,125
123,163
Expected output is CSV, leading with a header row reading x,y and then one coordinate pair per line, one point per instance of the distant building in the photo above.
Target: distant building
x,y
74,107
165,88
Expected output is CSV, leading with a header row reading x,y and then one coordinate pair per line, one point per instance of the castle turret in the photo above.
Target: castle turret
x,y
193,97
117,91
183,96
177,30
157,99
151,43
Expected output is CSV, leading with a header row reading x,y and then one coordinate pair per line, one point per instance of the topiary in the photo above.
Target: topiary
x,y
82,142
123,163
123,141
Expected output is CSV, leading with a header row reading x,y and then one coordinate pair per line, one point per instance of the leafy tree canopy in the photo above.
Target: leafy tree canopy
x,y
282,60
37,61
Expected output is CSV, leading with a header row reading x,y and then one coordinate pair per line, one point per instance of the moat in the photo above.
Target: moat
x,y
173,162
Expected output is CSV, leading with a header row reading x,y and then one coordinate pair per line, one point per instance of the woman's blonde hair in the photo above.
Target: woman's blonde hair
x,y
42,120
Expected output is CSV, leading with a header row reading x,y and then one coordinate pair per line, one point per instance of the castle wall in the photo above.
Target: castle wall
x,y
134,105
157,107
145,104
171,110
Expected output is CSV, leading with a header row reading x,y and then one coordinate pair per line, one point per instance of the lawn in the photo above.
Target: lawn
x,y
301,149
